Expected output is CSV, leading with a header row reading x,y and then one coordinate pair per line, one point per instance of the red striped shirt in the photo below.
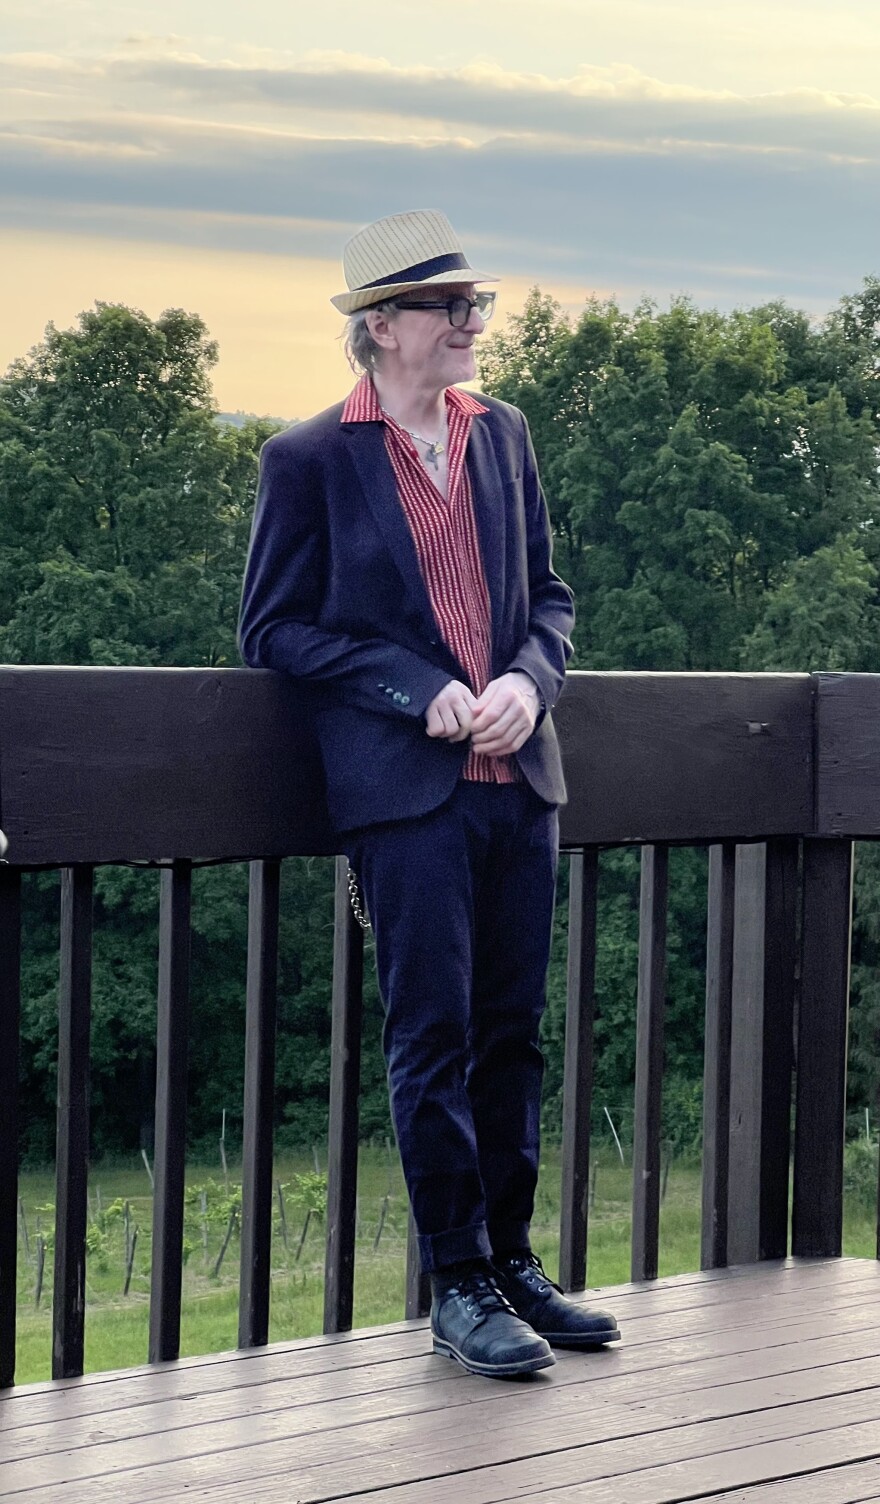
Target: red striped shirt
x,y
447,544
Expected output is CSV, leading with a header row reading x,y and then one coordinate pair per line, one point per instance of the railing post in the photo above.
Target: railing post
x,y
649,1062
72,1151
345,1071
418,1284
172,1053
817,1212
259,1090
10,1024
780,978
716,1064
750,980
577,1090
746,1055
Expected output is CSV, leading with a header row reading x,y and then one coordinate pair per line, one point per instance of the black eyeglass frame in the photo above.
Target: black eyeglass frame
x,y
487,299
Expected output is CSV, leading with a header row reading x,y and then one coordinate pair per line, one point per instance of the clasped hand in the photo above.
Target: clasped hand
x,y
498,721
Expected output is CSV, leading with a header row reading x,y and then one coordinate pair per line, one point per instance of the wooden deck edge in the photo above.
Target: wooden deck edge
x,y
696,1278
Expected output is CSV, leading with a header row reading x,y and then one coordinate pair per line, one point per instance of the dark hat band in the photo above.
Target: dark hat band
x,y
455,261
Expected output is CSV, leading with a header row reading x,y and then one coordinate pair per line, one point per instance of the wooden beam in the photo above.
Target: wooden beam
x,y
817,1211
345,1073
10,1026
259,1105
685,758
651,1007
780,980
577,1088
716,1061
72,1150
158,763
418,1284
764,973
746,1055
172,1053
847,765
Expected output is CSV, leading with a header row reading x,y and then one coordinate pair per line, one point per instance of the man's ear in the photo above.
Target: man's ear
x,y
381,326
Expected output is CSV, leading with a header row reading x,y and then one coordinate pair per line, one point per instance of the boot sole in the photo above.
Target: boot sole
x,y
493,1370
580,1340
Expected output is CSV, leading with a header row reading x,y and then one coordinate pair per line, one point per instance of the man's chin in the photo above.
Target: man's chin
x,y
465,367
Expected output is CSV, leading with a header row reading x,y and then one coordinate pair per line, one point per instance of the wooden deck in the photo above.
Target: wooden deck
x,y
760,1383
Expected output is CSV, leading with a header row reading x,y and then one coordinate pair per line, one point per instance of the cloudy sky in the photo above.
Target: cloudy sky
x,y
216,156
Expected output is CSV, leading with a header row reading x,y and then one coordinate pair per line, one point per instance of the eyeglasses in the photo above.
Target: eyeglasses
x,y
458,309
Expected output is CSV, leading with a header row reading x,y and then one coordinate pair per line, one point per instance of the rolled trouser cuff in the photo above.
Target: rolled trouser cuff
x,y
438,1249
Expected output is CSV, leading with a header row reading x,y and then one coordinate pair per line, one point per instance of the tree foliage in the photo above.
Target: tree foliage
x,y
713,485
124,518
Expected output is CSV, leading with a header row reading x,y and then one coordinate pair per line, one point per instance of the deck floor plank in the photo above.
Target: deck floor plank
x,y
855,1484
324,1433
332,1354
312,1403
753,1380
842,1290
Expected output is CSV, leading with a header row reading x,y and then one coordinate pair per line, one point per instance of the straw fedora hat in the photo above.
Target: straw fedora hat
x,y
419,249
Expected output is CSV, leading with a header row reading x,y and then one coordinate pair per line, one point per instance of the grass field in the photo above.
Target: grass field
x,y
116,1325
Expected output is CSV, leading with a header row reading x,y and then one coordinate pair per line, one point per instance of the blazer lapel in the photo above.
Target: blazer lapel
x,y
366,444
489,503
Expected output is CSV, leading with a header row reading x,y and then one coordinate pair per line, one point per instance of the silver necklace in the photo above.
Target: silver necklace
x,y
433,446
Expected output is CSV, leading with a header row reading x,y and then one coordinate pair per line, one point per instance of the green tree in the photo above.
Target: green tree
x,y
125,512
713,485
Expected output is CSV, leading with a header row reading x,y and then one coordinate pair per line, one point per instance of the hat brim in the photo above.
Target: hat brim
x,y
368,297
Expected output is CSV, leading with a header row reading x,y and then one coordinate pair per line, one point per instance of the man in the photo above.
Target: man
x,y
400,566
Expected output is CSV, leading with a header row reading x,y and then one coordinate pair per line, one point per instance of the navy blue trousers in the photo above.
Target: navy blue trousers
x,y
461,903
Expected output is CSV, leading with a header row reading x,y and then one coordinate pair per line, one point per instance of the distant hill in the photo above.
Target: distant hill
x,y
238,419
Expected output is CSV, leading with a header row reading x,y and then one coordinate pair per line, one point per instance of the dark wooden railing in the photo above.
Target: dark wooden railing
x,y
776,774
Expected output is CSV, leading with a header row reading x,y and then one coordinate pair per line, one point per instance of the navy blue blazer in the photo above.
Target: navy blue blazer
x,y
333,594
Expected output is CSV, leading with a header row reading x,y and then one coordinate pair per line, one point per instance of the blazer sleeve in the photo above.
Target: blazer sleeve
x,y
547,648
284,586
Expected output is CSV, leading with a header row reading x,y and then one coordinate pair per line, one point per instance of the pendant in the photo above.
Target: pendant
x,y
432,454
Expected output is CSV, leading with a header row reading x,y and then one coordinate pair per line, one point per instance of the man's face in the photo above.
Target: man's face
x,y
425,344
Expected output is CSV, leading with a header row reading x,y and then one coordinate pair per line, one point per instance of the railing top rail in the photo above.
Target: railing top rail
x,y
116,764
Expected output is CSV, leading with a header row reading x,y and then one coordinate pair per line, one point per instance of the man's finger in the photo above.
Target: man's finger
x,y
463,718
512,717
488,695
504,746
458,709
500,747
450,714
489,714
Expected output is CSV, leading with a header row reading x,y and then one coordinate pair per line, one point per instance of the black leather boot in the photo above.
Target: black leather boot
x,y
541,1303
472,1322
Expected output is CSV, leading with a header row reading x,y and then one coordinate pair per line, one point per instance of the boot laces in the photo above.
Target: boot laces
x,y
481,1290
530,1266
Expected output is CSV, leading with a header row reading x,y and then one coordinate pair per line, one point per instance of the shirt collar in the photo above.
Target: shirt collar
x,y
362,404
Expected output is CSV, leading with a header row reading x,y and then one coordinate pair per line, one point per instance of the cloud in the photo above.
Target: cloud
x,y
616,105
608,176
748,226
